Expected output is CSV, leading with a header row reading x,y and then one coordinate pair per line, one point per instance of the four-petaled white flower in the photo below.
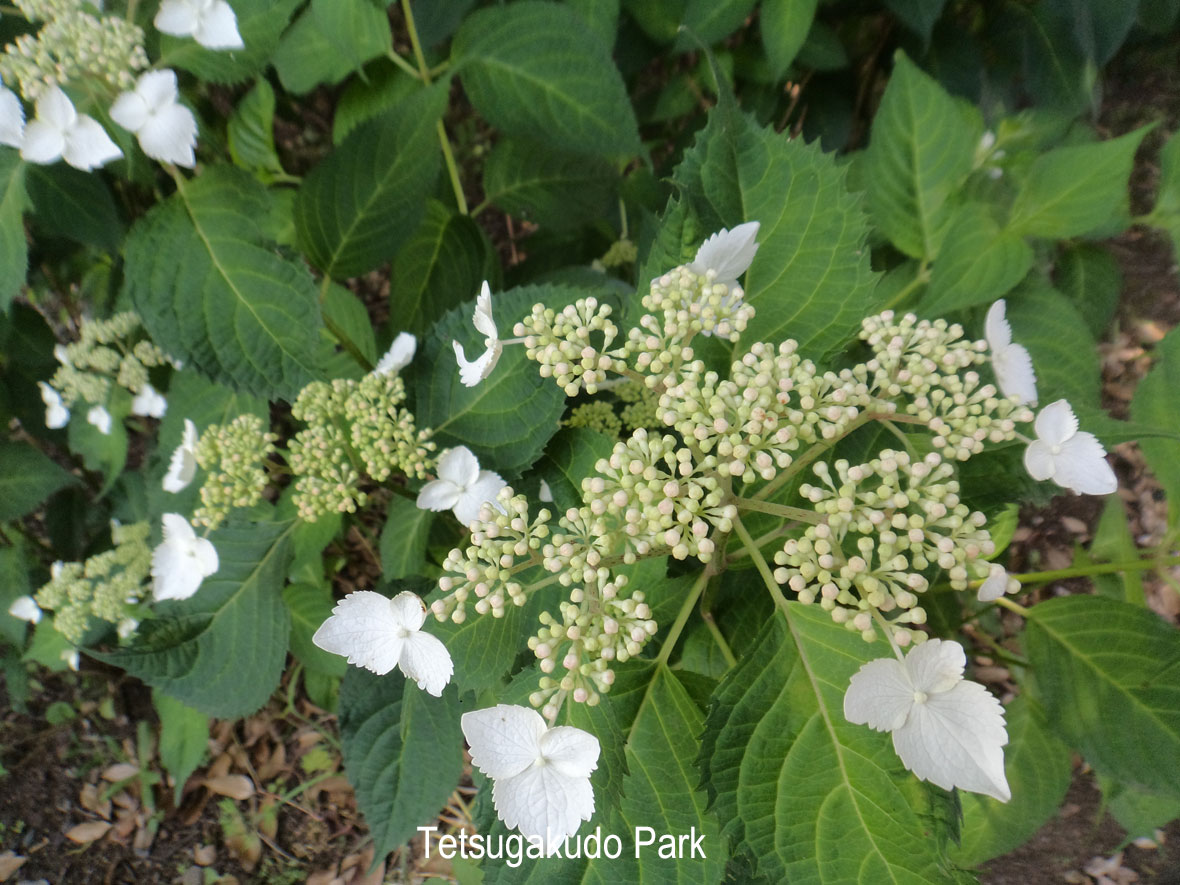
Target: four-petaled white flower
x,y
379,633
461,486
946,729
100,418
183,466
57,415
997,583
149,403
182,561
471,373
728,253
25,608
59,132
541,775
400,352
1011,362
12,119
165,129
1071,458
212,23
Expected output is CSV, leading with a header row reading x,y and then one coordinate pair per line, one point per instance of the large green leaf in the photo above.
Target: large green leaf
x,y
1039,772
1090,277
260,22
810,279
403,540
978,263
1098,26
1064,353
217,294
184,739
1077,190
310,605
1166,214
357,208
403,752
483,648
222,650
250,131
507,419
569,458
27,478
534,69
330,40
14,248
922,148
71,203
918,15
784,25
442,264
1155,403
550,188
710,21
1108,676
810,796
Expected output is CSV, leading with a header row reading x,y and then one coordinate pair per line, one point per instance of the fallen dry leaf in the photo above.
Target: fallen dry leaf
x,y
120,771
235,786
89,799
205,855
324,877
10,862
88,832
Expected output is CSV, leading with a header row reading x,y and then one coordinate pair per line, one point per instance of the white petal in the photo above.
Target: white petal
x,y
504,740
12,119
460,466
438,495
1014,373
936,665
956,739
43,143
56,414
218,27
572,751
543,802
25,608
996,584
1038,461
545,494
471,373
183,466
1082,466
179,18
203,556
173,574
130,111
170,135
1056,423
149,403
157,89
879,695
470,500
176,529
482,318
62,354
996,328
409,611
126,627
426,660
728,252
55,109
363,628
70,656
399,354
100,418
88,146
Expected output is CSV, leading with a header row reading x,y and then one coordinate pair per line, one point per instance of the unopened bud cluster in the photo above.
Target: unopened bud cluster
x,y
692,302
110,351
234,458
105,587
597,415
573,344
72,46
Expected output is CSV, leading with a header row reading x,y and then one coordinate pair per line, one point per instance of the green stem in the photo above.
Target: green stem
x,y
1099,568
452,169
920,278
682,617
763,568
419,56
807,457
1012,606
796,513
715,632
347,343
1000,652
131,6
404,65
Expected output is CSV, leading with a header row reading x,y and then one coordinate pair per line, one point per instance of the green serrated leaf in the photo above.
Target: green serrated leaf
x,y
403,752
27,478
382,88
1113,543
483,648
260,22
357,208
1077,190
1090,277
533,69
1108,675
222,650
75,204
978,263
921,150
918,15
710,21
346,316
442,264
205,281
601,15
784,25
569,458
184,739
250,131
1140,812
14,582
310,605
330,40
1154,403
404,539
547,187
14,248
810,796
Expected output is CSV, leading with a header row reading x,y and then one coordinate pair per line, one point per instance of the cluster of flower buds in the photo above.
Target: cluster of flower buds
x,y
382,433
505,544
110,351
911,355
642,407
963,413
598,415
234,458
106,587
566,344
902,515
597,628
692,301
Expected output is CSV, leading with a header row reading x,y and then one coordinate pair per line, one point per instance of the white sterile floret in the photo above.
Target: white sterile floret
x,y
471,373
728,253
461,486
183,466
59,132
212,23
1071,458
57,415
541,775
25,608
12,119
149,403
997,583
182,561
100,418
71,657
399,355
379,633
946,729
165,129
1011,362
